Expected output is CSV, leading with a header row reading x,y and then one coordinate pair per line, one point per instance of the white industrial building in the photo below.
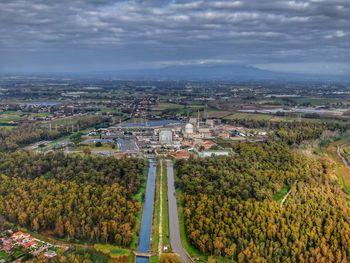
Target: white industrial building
x,y
165,136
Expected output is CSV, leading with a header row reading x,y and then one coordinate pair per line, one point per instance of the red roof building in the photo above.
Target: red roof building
x,y
180,154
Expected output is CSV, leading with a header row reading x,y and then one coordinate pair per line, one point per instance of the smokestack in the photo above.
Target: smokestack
x,y
198,120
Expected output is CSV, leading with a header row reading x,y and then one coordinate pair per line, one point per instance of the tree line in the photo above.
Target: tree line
x,y
295,132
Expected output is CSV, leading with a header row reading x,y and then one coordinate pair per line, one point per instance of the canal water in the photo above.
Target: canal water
x,y
147,214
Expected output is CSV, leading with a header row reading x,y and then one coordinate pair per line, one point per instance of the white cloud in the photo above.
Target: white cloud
x,y
336,34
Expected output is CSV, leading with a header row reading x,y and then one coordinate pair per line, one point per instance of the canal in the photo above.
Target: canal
x,y
147,214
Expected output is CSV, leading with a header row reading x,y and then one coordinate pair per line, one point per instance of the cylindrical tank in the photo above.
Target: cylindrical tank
x,y
189,128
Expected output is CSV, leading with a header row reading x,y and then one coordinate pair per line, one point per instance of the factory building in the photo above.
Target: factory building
x,y
165,136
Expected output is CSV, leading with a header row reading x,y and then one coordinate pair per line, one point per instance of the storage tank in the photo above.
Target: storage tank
x,y
189,128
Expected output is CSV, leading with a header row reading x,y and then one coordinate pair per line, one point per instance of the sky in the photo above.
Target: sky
x,y
310,36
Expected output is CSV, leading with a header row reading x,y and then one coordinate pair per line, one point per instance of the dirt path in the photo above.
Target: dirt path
x,y
342,157
160,244
286,196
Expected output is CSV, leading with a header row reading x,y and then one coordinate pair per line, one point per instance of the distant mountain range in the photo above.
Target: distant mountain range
x,y
203,72
217,72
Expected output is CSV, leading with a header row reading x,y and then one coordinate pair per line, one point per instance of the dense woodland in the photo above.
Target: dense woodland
x,y
230,210
295,132
85,198
26,133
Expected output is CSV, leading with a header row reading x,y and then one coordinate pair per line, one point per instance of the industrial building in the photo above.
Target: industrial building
x,y
165,136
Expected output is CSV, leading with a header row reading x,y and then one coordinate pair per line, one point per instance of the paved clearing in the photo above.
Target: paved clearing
x,y
127,146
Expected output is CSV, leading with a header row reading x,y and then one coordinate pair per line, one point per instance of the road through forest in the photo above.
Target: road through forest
x,y
174,225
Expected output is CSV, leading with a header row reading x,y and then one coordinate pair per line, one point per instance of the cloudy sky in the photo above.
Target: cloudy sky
x,y
309,36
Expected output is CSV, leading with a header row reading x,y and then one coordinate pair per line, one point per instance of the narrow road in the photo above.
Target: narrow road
x,y
174,225
160,231
342,157
290,190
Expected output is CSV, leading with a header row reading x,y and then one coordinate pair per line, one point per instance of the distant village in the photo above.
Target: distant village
x,y
17,246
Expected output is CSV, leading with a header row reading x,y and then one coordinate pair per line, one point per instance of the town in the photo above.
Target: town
x,y
20,246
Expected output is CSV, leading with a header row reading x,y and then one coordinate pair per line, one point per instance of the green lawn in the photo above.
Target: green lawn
x,y
154,259
18,253
7,117
281,193
112,251
104,147
161,186
156,215
165,208
3,255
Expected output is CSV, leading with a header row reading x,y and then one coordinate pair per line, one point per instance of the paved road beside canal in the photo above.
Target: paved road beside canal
x,y
174,225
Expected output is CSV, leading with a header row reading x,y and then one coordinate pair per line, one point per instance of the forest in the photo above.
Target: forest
x,y
231,211
77,197
27,133
295,132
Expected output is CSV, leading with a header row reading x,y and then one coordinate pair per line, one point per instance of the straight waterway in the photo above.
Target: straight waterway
x,y
147,214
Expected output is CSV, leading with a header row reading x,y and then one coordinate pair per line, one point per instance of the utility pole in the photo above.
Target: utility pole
x,y
198,120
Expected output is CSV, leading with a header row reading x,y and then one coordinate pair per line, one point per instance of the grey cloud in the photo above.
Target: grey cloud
x,y
253,32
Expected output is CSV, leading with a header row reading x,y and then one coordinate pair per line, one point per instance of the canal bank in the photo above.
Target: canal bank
x,y
144,247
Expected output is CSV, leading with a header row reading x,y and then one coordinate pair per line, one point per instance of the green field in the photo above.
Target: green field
x,y
104,147
274,118
3,255
250,116
328,149
113,252
281,193
165,209
14,116
156,215
167,106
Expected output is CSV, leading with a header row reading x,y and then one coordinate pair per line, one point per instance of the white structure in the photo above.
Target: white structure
x,y
189,129
165,136
209,153
210,123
